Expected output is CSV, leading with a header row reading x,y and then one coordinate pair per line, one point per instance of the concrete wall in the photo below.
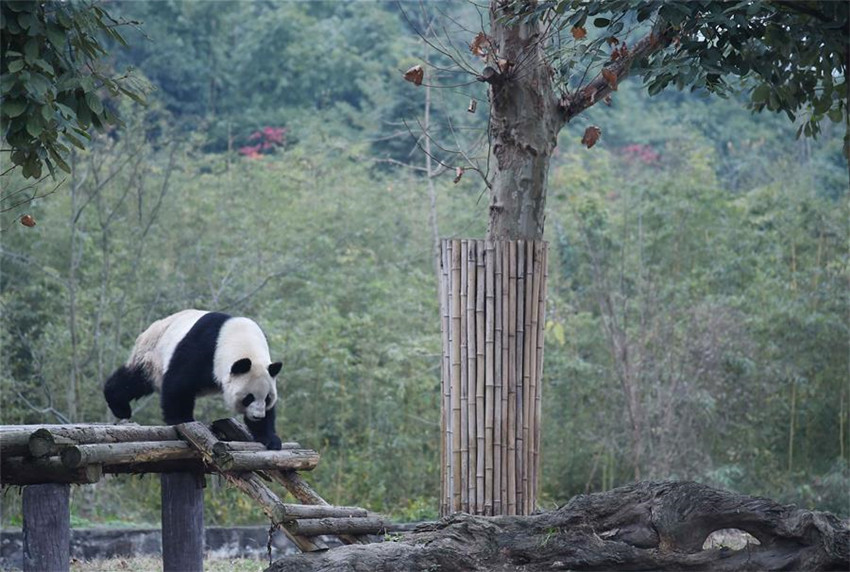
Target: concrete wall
x,y
91,543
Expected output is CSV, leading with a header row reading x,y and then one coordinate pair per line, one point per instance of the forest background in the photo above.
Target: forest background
x,y
278,172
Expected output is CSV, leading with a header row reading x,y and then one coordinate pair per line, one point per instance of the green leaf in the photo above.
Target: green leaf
x,y
94,103
34,125
31,50
14,108
60,162
16,66
835,115
601,22
56,36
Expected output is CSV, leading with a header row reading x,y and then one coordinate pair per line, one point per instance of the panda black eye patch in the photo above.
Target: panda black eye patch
x,y
248,399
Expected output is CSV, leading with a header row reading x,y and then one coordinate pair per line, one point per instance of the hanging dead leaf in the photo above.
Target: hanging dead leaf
x,y
458,175
481,45
591,136
607,100
612,41
27,220
504,65
578,32
473,105
611,77
415,75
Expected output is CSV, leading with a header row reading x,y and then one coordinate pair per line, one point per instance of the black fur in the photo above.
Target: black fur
x,y
191,369
123,386
263,430
274,368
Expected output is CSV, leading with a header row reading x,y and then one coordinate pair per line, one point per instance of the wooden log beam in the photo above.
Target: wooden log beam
x,y
182,522
47,528
292,460
14,443
366,525
24,471
250,483
302,511
118,453
235,430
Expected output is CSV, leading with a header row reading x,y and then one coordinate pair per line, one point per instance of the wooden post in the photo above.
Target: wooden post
x,y
47,528
182,522
492,317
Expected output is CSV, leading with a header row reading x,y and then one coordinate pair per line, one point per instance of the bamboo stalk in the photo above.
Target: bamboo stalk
x,y
512,378
521,479
480,376
541,320
457,367
445,382
489,366
533,377
472,377
528,357
463,482
498,466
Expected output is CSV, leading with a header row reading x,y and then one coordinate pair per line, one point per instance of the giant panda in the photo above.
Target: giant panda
x,y
194,353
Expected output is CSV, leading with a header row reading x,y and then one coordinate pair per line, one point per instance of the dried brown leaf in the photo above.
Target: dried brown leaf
x,y
611,77
415,75
458,175
473,105
481,45
27,220
578,32
591,136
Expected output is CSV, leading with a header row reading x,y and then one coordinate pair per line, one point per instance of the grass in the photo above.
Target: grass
x,y
154,564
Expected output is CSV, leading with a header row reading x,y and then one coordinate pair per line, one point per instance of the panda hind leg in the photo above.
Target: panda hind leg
x,y
123,386
263,430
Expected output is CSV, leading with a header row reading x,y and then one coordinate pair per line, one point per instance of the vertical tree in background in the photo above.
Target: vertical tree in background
x,y
791,56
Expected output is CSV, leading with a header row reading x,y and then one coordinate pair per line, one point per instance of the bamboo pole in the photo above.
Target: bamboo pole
x,y
512,378
457,367
520,378
464,376
536,253
472,363
480,376
541,321
528,357
498,466
445,382
489,386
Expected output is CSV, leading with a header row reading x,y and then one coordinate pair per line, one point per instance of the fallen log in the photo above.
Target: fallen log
x,y
642,526
356,526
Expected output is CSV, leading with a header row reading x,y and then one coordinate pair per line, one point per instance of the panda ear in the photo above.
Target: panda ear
x,y
241,366
274,368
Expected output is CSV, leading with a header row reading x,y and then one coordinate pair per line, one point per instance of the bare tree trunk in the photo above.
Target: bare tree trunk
x,y
524,123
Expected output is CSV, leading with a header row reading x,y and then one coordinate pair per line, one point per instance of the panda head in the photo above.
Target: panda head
x,y
252,388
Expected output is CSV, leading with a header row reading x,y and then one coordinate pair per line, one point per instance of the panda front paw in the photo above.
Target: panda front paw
x,y
273,443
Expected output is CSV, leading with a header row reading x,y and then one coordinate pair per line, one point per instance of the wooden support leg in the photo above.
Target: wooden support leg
x,y
182,522
47,528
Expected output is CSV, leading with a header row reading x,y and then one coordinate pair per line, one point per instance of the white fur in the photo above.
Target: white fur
x,y
241,338
155,346
238,338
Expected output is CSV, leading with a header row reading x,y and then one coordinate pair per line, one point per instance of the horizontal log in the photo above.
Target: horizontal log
x,y
51,426
170,466
317,526
292,459
117,453
23,471
297,511
123,433
15,443
43,443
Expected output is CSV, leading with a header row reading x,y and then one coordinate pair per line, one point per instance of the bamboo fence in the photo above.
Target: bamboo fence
x,y
492,299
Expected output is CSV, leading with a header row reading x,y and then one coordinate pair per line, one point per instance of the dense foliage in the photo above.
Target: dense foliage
x,y
707,241
54,78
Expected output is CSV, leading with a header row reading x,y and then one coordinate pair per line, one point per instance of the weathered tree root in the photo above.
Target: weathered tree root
x,y
643,526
